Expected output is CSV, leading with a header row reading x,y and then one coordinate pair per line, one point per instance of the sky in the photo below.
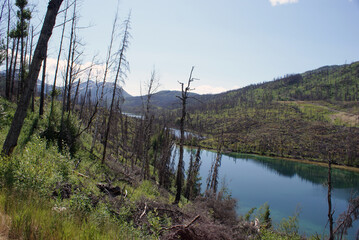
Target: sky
x,y
231,43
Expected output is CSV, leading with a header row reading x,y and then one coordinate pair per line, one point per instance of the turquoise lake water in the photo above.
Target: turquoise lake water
x,y
284,185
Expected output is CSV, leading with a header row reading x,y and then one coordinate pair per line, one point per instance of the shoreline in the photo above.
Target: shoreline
x,y
322,164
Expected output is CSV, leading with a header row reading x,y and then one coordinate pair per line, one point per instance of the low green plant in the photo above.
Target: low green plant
x,y
263,215
157,223
290,226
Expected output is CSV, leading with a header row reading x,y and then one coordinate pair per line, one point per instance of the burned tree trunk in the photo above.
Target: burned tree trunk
x,y
184,96
121,64
42,93
39,55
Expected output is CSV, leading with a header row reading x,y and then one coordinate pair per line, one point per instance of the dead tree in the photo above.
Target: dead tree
x,y
152,87
42,91
7,85
86,89
184,96
165,146
64,105
39,55
346,219
120,73
53,93
108,65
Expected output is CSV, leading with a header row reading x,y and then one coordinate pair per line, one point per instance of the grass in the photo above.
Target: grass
x,y
32,217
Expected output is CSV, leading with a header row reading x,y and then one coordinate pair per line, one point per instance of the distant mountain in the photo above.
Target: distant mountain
x,y
94,91
160,100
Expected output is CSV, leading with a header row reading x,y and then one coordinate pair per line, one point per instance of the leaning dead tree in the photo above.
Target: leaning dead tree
x,y
30,82
180,167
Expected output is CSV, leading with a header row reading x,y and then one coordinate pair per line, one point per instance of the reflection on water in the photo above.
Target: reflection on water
x,y
284,185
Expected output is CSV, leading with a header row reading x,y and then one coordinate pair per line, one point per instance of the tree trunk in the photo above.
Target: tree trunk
x,y
10,69
76,93
108,60
183,98
42,93
7,91
39,55
57,67
14,67
119,70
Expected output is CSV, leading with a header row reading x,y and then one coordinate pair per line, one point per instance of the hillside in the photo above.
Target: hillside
x,y
53,193
159,100
305,116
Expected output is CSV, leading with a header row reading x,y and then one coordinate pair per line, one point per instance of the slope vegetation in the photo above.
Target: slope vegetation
x,y
314,116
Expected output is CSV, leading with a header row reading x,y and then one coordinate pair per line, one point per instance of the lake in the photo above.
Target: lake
x,y
284,185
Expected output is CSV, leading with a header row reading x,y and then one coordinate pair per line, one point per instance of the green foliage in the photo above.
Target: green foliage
x,y
36,167
290,226
263,215
146,189
247,216
157,223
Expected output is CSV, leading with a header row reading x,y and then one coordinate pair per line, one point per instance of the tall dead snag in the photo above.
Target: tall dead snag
x,y
120,73
53,92
7,84
66,87
151,89
184,96
39,55
42,92
108,65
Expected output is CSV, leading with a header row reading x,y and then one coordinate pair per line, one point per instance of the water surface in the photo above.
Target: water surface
x,y
284,185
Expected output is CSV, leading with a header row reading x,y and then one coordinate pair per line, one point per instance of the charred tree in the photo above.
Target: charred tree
x,y
120,73
184,96
39,55
151,89
108,65
42,92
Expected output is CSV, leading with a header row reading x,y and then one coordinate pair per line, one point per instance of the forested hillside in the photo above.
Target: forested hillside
x,y
314,115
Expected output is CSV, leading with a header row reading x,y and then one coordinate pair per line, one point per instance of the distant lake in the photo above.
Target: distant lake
x,y
284,185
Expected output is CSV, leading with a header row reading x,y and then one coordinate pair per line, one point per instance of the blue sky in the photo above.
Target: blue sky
x,y
231,43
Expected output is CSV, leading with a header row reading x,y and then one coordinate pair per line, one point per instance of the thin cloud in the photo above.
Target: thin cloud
x,y
280,2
